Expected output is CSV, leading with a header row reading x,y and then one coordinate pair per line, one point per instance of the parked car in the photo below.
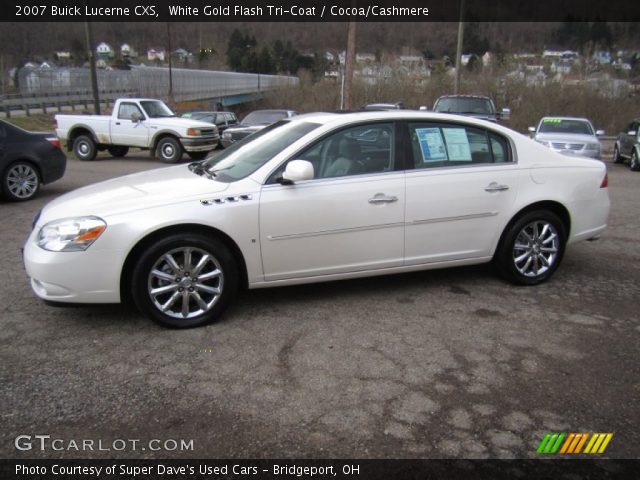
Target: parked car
x,y
137,122
627,146
383,106
314,198
256,120
568,135
222,120
476,106
28,160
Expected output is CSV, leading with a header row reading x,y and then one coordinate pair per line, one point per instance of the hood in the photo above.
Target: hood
x,y
566,138
247,128
179,122
132,192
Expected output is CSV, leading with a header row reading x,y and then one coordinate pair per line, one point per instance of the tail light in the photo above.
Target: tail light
x,y
605,181
54,141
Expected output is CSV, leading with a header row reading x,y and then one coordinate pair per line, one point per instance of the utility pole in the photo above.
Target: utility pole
x,y
170,69
92,67
456,85
348,64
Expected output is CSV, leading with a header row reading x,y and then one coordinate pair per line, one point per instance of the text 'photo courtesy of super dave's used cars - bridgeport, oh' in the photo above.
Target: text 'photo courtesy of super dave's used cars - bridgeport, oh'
x,y
318,197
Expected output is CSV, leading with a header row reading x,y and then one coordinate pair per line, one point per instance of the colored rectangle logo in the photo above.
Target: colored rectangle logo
x,y
561,443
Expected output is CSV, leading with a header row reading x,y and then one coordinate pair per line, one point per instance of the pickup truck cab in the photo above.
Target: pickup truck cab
x,y
137,122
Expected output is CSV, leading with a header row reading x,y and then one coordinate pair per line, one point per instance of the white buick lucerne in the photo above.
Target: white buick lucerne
x,y
315,198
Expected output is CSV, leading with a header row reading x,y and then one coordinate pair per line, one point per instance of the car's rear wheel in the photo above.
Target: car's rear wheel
x,y
531,248
617,158
634,164
185,280
197,155
169,150
118,151
84,148
20,182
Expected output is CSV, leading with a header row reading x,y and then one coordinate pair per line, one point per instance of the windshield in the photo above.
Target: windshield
x,y
263,117
560,125
464,105
243,158
156,109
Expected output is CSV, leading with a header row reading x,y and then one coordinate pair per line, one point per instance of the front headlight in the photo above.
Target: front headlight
x,y
592,146
70,234
226,135
193,132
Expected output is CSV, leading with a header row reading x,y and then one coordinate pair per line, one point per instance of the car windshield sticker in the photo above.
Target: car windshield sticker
x,y
457,144
431,144
552,120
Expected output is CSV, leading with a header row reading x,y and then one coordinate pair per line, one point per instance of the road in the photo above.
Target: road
x,y
453,363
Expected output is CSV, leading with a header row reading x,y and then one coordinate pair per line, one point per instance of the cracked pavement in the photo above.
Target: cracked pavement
x,y
437,364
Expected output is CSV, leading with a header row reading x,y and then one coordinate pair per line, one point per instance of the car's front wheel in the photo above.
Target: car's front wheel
x,y
169,150
185,280
634,164
20,182
531,248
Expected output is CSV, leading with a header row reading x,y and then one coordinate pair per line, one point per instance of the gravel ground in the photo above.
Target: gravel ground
x,y
453,363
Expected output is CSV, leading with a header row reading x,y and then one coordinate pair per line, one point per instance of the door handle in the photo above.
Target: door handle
x,y
117,123
495,187
382,198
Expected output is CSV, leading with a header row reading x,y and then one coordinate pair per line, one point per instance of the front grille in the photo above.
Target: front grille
x,y
207,131
567,146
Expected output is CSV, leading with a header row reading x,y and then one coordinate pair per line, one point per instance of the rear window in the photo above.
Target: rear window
x,y
464,105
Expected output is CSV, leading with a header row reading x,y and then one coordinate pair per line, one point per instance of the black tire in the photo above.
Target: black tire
x,y
169,150
519,245
177,285
634,164
197,155
118,151
20,182
617,158
84,148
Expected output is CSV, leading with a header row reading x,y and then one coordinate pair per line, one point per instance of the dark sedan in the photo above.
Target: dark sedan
x,y
28,160
256,120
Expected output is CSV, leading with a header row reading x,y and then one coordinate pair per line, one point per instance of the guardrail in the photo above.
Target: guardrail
x,y
58,101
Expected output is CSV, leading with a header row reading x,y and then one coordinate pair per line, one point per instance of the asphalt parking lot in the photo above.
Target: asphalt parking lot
x,y
453,363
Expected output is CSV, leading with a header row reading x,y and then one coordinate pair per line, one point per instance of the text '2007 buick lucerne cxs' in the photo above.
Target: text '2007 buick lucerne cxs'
x,y
315,198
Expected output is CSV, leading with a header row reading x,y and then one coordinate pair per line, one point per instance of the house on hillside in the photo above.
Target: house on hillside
x,y
126,51
104,51
156,54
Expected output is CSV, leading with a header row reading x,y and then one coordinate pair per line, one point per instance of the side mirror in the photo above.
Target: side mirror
x,y
136,117
632,133
532,129
298,170
505,114
424,108
599,133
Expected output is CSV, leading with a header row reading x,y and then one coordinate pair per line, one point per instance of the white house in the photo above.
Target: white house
x,y
156,53
126,51
104,50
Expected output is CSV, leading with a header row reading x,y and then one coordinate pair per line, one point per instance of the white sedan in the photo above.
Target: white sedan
x,y
315,198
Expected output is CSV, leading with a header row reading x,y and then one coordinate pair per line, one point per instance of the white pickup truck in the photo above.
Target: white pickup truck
x,y
141,123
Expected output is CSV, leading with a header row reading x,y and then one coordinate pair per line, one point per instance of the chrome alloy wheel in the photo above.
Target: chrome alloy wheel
x,y
536,248
185,282
22,181
168,150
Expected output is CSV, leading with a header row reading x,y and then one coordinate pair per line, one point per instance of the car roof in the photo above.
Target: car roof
x,y
337,119
207,112
464,96
582,119
276,110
